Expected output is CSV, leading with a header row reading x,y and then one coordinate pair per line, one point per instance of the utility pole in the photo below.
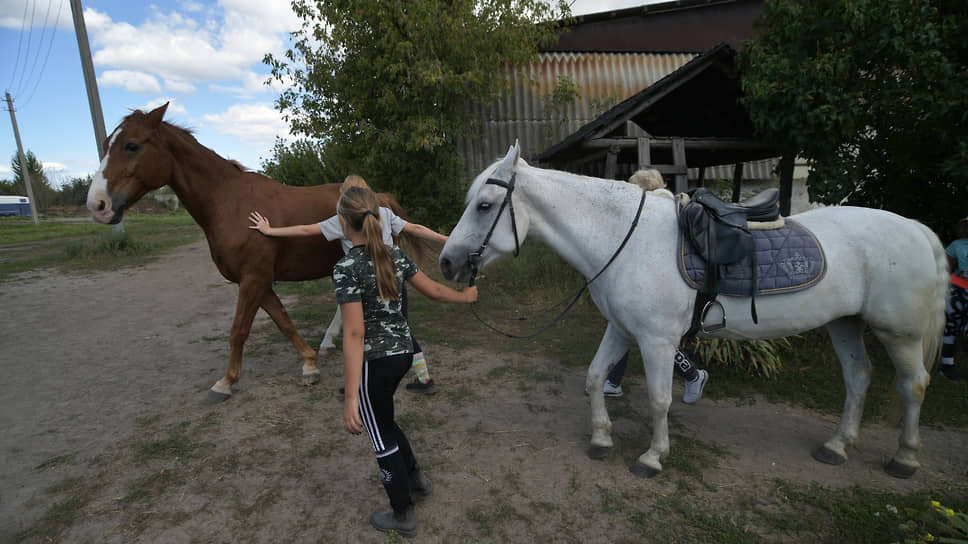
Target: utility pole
x,y
93,98
90,81
23,162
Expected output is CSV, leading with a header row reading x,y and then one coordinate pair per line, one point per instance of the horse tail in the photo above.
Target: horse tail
x,y
415,247
934,324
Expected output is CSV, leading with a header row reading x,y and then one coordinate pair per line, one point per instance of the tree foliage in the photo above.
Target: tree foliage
x,y
42,189
302,163
872,94
386,85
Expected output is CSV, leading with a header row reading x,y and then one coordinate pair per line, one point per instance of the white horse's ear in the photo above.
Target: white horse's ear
x,y
506,169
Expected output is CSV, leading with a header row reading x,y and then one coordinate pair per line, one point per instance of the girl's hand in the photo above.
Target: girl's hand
x,y
259,223
471,293
351,415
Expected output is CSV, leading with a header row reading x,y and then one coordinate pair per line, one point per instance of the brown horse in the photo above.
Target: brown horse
x,y
145,153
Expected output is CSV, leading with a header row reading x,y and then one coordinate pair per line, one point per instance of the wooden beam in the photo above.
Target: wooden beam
x,y
737,180
679,158
786,183
611,162
644,146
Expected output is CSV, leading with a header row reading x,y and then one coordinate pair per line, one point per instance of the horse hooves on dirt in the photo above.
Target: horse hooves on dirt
x,y
899,470
642,470
597,452
310,379
214,397
828,456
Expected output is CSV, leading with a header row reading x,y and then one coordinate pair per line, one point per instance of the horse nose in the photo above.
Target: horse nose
x,y
446,267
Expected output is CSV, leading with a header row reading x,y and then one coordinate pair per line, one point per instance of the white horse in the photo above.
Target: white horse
x,y
884,271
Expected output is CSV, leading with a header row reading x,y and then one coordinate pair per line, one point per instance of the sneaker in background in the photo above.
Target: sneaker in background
x,y
417,386
694,388
612,390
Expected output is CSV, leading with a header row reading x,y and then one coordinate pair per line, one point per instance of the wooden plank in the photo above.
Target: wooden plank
x,y
786,183
611,162
681,183
645,152
737,180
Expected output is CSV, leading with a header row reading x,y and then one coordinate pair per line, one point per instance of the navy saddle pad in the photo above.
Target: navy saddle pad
x,y
788,259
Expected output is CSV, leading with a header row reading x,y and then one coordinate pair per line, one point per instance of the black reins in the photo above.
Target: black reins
x,y
474,258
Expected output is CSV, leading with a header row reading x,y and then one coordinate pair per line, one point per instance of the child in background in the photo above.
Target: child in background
x,y
956,309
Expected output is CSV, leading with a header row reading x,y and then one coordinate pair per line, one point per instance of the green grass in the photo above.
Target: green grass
x,y
86,246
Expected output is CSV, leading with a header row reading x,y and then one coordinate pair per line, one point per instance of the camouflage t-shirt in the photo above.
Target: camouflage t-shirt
x,y
386,329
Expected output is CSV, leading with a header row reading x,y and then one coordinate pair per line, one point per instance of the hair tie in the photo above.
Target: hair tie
x,y
370,212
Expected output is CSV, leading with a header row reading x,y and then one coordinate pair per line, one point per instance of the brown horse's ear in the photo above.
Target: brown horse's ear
x,y
155,116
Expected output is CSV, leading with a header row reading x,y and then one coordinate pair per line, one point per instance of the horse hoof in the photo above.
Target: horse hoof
x,y
828,456
597,452
310,379
214,397
900,470
642,470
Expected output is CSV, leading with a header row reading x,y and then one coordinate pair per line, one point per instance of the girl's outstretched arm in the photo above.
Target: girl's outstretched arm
x,y
441,292
353,333
424,233
261,224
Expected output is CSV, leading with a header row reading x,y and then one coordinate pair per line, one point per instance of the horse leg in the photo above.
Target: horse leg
x,y
847,336
658,357
250,293
912,381
333,331
273,306
612,347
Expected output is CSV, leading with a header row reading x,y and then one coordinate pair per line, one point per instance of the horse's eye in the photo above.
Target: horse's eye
x,y
131,147
483,206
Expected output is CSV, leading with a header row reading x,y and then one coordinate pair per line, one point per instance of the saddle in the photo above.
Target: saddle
x,y
719,232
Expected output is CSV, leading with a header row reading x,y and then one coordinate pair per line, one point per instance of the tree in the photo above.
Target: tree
x,y
38,178
73,192
872,94
386,85
301,163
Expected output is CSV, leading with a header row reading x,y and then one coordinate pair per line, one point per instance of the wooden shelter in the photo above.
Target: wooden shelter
x,y
690,118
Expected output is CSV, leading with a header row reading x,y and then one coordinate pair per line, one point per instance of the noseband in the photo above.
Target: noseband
x,y
473,259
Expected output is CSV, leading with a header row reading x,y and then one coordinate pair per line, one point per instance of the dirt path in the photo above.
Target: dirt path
x,y
106,436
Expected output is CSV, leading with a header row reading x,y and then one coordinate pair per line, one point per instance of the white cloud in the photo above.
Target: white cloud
x,y
174,108
254,123
135,82
54,167
223,44
26,14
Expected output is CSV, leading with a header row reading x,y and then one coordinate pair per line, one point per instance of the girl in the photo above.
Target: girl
x,y
392,225
377,347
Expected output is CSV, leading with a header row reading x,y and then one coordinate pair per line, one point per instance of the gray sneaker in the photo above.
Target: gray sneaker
x,y
694,388
612,390
420,486
405,523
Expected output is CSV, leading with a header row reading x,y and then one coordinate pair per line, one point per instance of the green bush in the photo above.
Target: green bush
x,y
756,357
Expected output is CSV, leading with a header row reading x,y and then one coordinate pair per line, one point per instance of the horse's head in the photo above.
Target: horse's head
x,y
134,163
491,224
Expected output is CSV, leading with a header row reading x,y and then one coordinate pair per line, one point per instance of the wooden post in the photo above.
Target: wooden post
x,y
611,161
737,180
23,163
702,177
645,152
679,159
786,183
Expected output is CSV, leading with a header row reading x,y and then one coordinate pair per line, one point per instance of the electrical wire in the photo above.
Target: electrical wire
x,y
30,35
50,47
20,42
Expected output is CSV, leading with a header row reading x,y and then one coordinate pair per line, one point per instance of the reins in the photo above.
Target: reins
x,y
475,257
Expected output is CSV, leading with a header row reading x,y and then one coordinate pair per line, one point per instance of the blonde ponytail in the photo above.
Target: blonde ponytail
x,y
360,208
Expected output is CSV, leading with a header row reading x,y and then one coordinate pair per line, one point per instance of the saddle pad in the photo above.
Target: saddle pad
x,y
788,259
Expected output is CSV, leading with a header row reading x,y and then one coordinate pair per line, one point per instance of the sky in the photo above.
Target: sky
x,y
204,57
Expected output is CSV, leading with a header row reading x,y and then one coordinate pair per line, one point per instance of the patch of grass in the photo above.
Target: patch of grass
x,y
152,485
176,445
81,247
58,517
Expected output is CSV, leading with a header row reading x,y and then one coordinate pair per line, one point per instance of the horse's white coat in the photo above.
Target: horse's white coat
x,y
883,270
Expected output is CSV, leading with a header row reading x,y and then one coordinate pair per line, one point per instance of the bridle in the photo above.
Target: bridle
x,y
473,259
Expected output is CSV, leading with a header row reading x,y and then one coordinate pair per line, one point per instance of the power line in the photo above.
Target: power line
x,y
20,42
30,36
50,47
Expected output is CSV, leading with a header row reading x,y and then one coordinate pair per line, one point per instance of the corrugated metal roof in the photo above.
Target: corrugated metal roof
x,y
603,80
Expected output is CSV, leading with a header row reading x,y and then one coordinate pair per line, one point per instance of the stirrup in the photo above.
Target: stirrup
x,y
702,318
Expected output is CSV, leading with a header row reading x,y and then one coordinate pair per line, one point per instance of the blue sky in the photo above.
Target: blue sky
x,y
202,56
